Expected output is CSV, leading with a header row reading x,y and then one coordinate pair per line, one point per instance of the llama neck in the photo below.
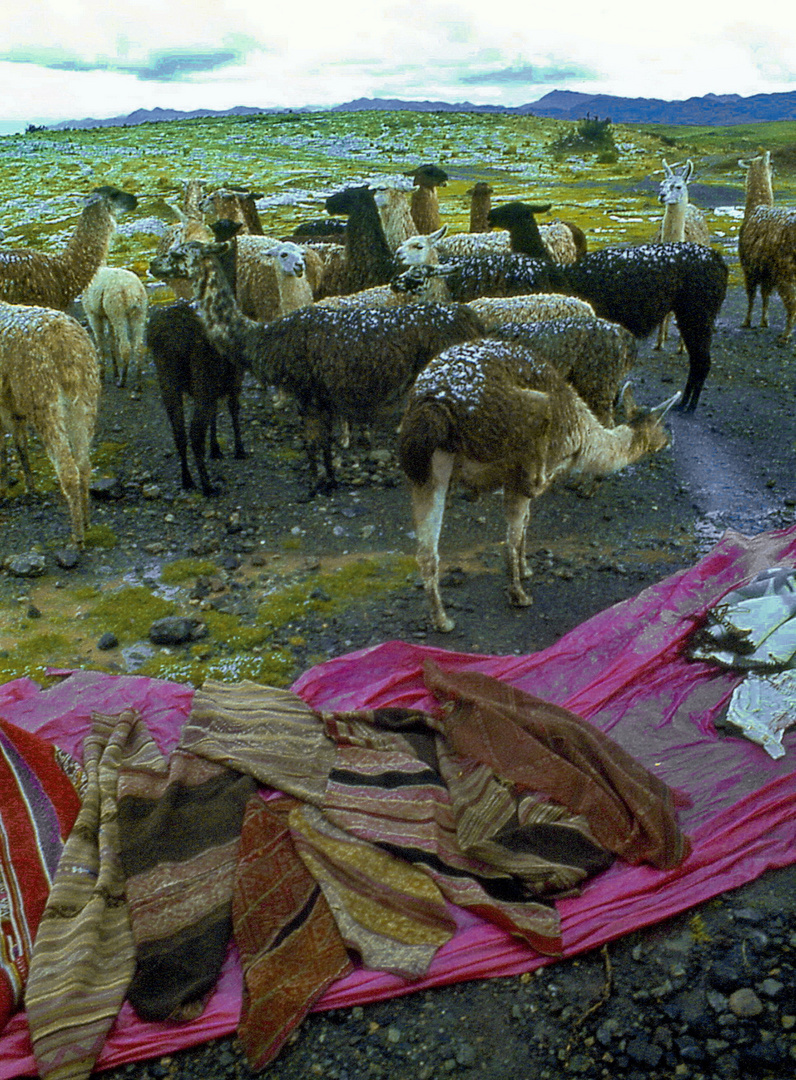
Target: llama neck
x,y
673,224
479,213
226,326
527,240
88,247
607,450
294,293
759,191
365,238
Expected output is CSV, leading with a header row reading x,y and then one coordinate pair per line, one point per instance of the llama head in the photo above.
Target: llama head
x,y
417,276
516,214
419,250
185,260
289,258
350,199
113,198
674,186
429,176
647,423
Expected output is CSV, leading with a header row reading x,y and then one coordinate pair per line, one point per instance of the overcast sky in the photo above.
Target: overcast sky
x,y
69,59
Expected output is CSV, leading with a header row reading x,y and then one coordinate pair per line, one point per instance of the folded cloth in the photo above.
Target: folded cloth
x,y
544,749
179,833
84,957
39,801
288,941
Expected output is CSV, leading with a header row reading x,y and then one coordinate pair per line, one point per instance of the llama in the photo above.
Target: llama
x,y
638,286
767,246
367,259
681,221
424,203
395,214
594,355
54,280
271,278
190,225
347,364
236,204
489,415
115,303
188,364
495,273
49,379
480,205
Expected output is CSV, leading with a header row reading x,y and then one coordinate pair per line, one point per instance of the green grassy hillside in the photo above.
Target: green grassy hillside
x,y
295,159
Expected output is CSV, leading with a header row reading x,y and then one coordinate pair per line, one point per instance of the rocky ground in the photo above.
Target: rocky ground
x,y
707,995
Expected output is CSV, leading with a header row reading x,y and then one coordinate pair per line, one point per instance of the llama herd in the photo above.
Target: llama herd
x,y
507,348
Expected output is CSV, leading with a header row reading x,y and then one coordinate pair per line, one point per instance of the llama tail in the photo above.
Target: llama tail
x,y
426,426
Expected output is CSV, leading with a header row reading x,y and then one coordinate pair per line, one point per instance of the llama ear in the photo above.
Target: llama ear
x,y
661,410
433,237
688,170
667,169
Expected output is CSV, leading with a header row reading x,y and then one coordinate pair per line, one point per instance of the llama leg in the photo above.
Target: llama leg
x,y
318,436
697,342
751,289
60,454
765,296
216,452
82,422
19,431
663,332
98,325
518,509
233,405
203,414
172,403
122,348
428,508
787,293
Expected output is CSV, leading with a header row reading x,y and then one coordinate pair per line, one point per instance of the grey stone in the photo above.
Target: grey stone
x,y
176,630
28,564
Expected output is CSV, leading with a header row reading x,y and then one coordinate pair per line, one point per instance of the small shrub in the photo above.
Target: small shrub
x,y
593,135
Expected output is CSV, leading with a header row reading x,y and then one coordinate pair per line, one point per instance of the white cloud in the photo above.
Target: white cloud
x,y
62,59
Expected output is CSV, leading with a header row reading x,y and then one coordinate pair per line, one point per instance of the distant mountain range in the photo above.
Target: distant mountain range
x,y
711,110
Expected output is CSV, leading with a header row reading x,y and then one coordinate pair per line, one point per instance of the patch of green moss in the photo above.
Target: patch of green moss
x,y
101,536
181,570
128,613
108,456
229,630
324,592
34,653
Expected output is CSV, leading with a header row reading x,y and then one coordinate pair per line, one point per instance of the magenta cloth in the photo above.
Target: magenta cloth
x,y
625,670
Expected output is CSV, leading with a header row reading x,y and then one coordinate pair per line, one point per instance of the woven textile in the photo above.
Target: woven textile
x,y
542,747
179,836
289,944
83,957
38,806
389,911
381,792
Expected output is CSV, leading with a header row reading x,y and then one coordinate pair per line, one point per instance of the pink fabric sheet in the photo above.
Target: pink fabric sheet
x,y
625,670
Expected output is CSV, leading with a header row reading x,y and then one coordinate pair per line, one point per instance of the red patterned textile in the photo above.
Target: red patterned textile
x,y
38,806
291,950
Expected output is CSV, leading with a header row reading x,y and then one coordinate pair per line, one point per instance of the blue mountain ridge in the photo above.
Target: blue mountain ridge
x,y
710,110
